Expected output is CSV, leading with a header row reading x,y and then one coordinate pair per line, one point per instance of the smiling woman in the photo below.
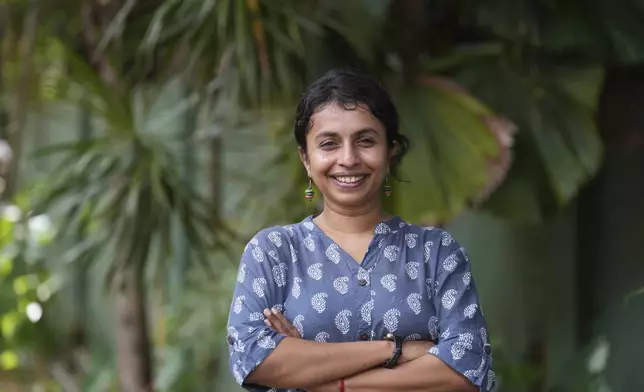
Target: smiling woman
x,y
347,299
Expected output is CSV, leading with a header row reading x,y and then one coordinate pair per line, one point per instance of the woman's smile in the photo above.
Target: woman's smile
x,y
348,181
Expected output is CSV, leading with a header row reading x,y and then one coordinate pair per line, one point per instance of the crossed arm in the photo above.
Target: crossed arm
x,y
318,367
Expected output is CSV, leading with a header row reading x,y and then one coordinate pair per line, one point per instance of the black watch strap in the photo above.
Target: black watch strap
x,y
397,350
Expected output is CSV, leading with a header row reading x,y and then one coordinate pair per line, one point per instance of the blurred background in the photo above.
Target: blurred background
x,y
144,142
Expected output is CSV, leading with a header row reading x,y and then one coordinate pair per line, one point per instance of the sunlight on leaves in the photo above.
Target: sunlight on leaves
x,y
9,360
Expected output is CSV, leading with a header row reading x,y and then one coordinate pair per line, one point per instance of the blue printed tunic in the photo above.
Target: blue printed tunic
x,y
414,282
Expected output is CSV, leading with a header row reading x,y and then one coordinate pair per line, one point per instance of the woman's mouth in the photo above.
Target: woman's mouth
x,y
349,181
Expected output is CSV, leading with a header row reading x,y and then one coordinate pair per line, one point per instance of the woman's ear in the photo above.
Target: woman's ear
x,y
305,161
393,152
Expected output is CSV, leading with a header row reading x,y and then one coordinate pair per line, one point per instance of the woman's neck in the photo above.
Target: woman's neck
x,y
352,221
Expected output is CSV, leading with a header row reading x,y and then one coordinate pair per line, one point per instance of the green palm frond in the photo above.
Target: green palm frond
x,y
558,146
453,144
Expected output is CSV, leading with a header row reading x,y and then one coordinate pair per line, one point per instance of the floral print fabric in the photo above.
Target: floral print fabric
x,y
414,282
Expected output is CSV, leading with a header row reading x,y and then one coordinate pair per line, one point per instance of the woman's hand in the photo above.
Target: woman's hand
x,y
276,320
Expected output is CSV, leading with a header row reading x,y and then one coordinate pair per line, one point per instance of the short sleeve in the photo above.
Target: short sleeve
x,y
260,283
463,341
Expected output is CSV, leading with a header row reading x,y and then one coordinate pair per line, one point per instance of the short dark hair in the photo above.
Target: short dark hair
x,y
350,89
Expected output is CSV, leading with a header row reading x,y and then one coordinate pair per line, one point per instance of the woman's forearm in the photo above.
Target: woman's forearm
x,y
299,363
426,374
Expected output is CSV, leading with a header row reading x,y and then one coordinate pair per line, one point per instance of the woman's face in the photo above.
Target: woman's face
x,y
347,155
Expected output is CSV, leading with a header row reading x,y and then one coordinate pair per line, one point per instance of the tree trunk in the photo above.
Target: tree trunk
x,y
132,337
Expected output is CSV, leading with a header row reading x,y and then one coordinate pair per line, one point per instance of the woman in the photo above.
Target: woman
x,y
354,299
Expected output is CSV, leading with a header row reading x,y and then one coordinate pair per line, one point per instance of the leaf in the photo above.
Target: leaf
x,y
452,144
9,360
559,140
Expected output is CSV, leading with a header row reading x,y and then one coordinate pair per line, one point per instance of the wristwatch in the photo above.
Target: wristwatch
x,y
397,350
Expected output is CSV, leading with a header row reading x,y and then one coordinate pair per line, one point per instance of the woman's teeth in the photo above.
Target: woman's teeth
x,y
349,180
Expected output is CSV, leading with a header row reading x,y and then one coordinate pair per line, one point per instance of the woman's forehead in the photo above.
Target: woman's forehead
x,y
336,119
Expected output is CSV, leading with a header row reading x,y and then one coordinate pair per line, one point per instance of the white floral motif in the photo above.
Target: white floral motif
x,y
382,241
391,252
239,304
308,225
402,224
322,337
265,342
429,283
484,335
297,323
383,228
464,343
449,298
308,243
254,241
276,238
470,311
315,271
258,254
414,336
342,321
471,374
365,311
467,279
446,239
332,252
341,284
491,380
238,346
391,320
279,274
433,327
412,269
427,250
293,254
446,333
255,316
410,238
413,300
241,274
318,301
259,286
279,307
389,282
450,263
363,274
295,291
290,230
238,376
273,255
433,351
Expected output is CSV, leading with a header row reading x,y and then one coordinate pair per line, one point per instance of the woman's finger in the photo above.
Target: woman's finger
x,y
274,321
287,324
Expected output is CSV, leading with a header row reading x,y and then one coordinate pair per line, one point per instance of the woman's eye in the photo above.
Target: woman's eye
x,y
366,142
329,144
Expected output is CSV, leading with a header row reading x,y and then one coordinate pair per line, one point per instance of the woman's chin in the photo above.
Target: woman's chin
x,y
352,199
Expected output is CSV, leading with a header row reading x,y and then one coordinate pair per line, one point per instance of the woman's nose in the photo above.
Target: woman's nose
x,y
349,157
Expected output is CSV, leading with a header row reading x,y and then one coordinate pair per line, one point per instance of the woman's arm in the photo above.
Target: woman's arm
x,y
425,374
299,363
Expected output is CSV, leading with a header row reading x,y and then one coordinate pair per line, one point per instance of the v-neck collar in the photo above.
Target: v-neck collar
x,y
382,230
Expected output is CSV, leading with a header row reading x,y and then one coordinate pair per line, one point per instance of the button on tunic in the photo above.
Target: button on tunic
x,y
413,282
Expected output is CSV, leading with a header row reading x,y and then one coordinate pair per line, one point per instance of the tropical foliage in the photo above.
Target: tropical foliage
x,y
184,111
